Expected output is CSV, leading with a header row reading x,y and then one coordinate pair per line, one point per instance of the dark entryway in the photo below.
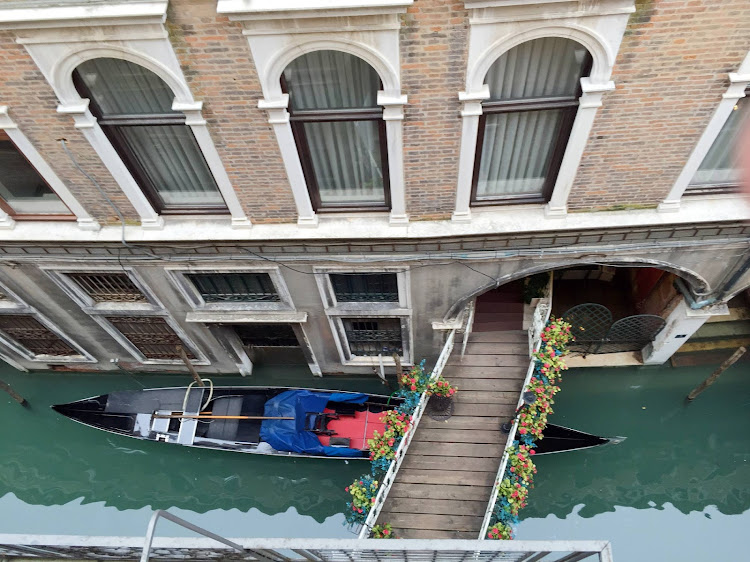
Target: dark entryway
x,y
500,309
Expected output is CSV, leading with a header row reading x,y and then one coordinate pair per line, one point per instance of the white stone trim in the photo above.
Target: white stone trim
x,y
335,311
18,306
496,26
57,52
366,29
107,13
178,277
85,221
738,83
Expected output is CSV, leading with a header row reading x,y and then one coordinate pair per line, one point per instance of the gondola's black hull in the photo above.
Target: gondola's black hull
x,y
558,439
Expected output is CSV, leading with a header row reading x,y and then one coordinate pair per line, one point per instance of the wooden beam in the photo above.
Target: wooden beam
x,y
715,375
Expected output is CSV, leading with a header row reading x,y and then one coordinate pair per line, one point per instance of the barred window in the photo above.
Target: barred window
x,y
365,287
267,335
34,336
151,335
374,336
234,287
108,287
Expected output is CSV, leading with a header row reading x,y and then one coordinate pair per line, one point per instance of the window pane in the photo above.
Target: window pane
x,y
373,336
170,156
346,161
235,287
546,67
516,152
331,80
365,287
120,87
720,166
22,187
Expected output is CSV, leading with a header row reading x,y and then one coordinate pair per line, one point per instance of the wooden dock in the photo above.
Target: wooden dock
x,y
443,486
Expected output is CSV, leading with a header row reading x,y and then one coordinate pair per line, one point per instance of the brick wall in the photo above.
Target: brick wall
x,y
670,74
434,39
217,64
33,106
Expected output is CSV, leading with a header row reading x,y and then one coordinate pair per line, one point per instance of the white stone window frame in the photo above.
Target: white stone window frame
x,y
178,277
60,39
280,32
98,310
14,305
336,311
495,27
738,83
27,149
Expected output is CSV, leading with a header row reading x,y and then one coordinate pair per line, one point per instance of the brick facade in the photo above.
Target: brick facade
x,y
670,75
33,106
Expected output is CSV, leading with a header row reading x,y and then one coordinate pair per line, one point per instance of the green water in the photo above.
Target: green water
x,y
677,489
61,477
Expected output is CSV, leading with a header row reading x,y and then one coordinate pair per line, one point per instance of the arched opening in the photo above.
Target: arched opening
x,y
339,130
525,124
133,106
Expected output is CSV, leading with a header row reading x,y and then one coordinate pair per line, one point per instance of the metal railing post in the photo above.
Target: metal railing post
x,y
174,519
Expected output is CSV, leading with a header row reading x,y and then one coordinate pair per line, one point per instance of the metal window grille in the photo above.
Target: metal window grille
x,y
151,335
373,336
235,287
3,296
267,335
108,287
365,287
34,336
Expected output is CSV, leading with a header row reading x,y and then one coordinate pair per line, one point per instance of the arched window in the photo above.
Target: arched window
x,y
134,109
720,169
339,130
525,124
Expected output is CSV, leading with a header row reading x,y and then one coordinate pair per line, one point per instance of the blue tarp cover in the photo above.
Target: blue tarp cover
x,y
291,435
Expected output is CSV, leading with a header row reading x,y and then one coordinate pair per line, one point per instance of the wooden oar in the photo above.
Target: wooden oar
x,y
200,417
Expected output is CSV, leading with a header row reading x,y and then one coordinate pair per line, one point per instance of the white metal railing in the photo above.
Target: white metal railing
x,y
541,317
469,325
390,476
61,547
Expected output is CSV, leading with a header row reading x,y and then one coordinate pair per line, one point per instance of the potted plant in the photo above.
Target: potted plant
x,y
441,395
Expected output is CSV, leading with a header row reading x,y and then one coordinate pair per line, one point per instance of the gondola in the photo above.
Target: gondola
x,y
293,422
558,439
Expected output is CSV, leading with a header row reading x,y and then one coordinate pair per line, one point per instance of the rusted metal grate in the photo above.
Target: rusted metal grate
x,y
34,336
632,333
589,323
108,287
151,335
373,336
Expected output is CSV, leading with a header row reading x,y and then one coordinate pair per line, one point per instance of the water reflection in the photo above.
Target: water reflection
x,y
692,456
52,461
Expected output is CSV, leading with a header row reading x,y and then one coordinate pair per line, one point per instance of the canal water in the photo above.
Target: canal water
x,y
678,488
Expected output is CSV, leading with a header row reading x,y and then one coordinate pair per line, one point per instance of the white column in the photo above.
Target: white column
x,y
278,118
196,122
682,323
735,92
470,113
588,104
393,115
85,221
87,124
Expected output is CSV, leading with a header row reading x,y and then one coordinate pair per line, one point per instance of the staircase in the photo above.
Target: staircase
x,y
500,309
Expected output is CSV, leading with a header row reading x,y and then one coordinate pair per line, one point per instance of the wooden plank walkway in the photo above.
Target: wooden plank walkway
x,y
443,486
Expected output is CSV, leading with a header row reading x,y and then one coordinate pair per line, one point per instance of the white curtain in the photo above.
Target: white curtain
x,y
346,156
720,166
168,154
517,146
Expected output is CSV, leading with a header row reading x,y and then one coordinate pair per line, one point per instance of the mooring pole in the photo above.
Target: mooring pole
x,y
17,397
715,375
189,365
397,361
